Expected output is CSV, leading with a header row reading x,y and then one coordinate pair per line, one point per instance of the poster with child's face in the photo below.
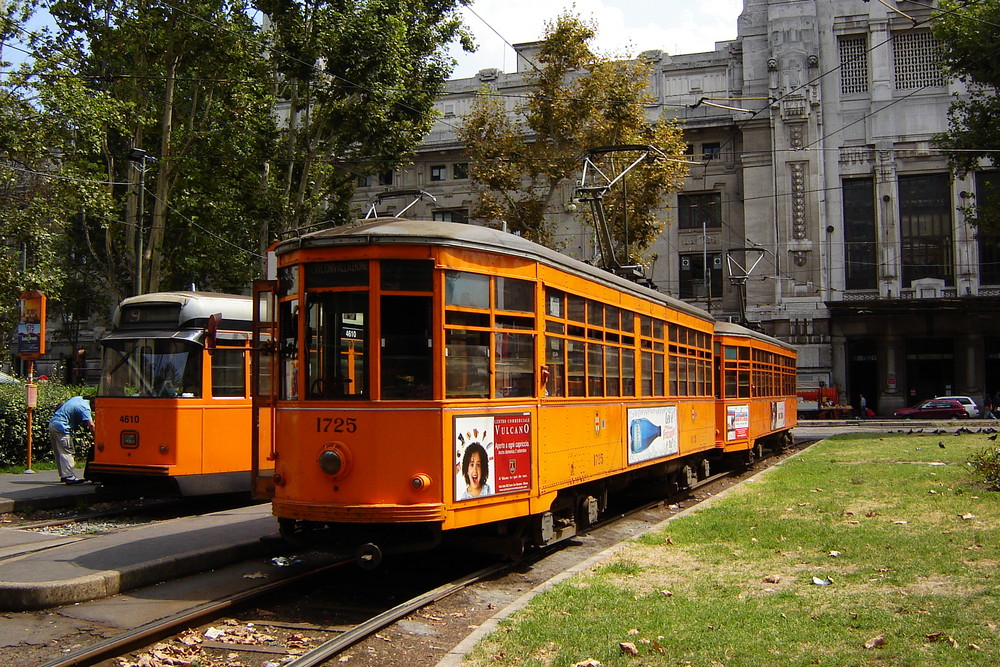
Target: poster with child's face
x,y
492,455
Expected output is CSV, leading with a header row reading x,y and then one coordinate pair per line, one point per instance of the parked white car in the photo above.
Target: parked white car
x,y
969,404
7,379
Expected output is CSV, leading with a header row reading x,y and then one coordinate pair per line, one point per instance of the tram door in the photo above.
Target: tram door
x,y
263,389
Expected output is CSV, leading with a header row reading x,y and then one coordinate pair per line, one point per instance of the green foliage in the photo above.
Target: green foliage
x,y
360,78
986,465
577,101
968,33
14,422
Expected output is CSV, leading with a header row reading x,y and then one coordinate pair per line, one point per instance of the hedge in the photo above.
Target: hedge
x,y
14,422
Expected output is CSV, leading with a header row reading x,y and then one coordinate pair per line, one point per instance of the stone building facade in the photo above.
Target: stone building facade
x,y
812,137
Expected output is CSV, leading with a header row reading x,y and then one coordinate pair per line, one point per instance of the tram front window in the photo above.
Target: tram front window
x,y
151,368
336,337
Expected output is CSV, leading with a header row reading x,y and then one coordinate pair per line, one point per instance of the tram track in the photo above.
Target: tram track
x,y
461,598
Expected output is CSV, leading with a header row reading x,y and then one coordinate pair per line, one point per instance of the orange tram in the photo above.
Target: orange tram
x,y
433,380
173,410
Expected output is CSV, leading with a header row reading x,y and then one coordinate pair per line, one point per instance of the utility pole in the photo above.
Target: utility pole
x,y
137,155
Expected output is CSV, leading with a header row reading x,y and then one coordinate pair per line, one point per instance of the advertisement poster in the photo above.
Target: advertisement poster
x,y
492,455
778,414
31,325
652,433
737,422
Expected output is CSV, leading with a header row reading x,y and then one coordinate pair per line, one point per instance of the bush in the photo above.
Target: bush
x,y
14,421
987,465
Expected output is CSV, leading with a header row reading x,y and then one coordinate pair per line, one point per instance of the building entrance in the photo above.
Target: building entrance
x,y
992,370
862,372
930,368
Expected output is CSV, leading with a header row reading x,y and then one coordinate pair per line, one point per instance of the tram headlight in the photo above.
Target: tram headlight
x,y
335,460
420,482
331,462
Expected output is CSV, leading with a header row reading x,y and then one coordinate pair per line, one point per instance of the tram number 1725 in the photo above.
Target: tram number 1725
x,y
336,424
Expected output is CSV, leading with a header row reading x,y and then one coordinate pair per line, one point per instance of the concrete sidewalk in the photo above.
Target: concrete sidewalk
x,y
39,570
41,490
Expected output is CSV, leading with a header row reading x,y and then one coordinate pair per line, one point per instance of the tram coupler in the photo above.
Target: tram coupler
x,y
368,556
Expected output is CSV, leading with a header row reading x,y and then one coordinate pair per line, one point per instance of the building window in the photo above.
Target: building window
x,y
859,233
853,64
364,181
925,223
916,56
437,172
452,215
697,210
711,151
460,171
987,191
385,178
695,281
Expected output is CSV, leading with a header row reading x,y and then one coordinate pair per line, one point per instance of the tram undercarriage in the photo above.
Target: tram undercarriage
x,y
574,510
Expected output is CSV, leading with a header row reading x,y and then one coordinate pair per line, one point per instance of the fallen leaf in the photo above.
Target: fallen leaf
x,y
772,579
589,662
822,582
901,523
255,575
934,636
967,516
834,554
629,648
633,631
875,642
666,594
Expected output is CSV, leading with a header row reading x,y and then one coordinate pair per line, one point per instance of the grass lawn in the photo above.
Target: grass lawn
x,y
862,550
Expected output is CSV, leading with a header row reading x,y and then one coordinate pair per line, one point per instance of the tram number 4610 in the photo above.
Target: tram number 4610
x,y
336,424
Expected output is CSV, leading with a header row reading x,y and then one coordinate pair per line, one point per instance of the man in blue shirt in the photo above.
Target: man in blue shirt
x,y
70,415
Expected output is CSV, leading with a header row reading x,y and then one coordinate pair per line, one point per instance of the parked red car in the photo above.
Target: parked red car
x,y
935,408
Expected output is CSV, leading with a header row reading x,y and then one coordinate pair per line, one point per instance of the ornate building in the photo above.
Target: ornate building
x,y
812,133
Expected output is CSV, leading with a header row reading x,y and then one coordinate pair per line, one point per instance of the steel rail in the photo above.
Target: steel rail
x,y
330,648
114,646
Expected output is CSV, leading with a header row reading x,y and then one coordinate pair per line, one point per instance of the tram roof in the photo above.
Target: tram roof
x,y
731,329
405,231
197,307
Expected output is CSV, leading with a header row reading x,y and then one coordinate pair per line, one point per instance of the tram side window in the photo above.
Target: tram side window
x,y
229,377
467,290
289,349
336,337
467,363
406,347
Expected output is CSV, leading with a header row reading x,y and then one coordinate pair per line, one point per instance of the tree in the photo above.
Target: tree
x,y
968,32
358,79
39,199
578,101
185,86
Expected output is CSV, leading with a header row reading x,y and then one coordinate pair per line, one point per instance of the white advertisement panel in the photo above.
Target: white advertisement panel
x,y
652,433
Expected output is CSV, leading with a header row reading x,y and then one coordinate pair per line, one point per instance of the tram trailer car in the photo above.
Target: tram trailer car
x,y
431,379
173,413
755,376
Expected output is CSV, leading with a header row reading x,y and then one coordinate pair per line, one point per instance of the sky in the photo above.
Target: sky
x,y
624,27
